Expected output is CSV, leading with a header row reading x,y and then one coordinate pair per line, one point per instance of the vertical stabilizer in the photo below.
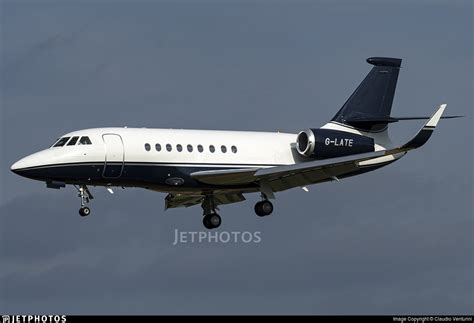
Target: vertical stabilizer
x,y
369,107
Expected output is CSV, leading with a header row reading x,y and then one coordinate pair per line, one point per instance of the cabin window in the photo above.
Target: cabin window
x,y
168,147
200,149
212,148
85,141
234,149
61,142
223,149
73,141
147,147
158,147
190,148
179,147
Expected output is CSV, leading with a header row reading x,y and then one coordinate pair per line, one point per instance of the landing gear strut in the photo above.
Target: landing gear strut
x,y
264,207
86,196
211,219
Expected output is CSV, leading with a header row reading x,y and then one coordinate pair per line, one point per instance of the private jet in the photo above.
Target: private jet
x,y
212,168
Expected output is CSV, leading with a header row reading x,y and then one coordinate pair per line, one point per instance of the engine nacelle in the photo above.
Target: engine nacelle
x,y
328,143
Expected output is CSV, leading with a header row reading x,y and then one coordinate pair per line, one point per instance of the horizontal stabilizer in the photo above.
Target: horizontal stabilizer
x,y
367,122
426,118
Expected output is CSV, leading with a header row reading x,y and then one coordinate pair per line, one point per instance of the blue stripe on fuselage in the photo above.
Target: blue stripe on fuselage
x,y
133,174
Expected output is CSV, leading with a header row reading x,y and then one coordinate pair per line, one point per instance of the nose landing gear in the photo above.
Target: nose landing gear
x,y
86,196
84,211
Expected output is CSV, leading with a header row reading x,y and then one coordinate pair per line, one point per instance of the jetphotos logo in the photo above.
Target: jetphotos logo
x,y
33,318
215,237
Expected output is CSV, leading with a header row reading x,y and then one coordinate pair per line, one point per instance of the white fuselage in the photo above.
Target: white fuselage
x,y
149,158
252,148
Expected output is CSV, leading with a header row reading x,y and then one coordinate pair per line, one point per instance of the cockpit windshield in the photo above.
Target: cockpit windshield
x,y
74,140
55,142
61,142
85,141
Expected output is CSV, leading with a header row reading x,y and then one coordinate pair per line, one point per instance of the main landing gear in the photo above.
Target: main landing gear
x,y
264,207
86,196
211,219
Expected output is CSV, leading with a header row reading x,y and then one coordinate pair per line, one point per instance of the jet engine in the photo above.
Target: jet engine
x,y
328,143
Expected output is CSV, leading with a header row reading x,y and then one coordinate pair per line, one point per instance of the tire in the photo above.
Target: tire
x,y
263,208
84,211
267,207
206,223
258,209
211,221
215,220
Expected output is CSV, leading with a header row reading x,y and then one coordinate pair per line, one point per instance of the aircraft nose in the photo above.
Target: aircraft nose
x,y
25,166
16,166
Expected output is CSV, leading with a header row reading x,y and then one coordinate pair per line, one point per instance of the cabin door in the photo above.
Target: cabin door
x,y
114,156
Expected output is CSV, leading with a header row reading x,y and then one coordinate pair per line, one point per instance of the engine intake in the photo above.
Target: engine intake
x,y
328,143
306,142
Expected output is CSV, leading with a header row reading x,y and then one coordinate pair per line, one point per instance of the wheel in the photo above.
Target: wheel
x,y
258,209
205,222
84,211
215,220
267,207
263,208
212,221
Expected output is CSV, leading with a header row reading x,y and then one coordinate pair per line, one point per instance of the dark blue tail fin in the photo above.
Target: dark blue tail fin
x,y
369,107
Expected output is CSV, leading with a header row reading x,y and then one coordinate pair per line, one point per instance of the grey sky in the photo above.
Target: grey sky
x,y
398,240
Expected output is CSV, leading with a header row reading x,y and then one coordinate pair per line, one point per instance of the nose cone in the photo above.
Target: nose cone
x,y
17,166
29,166
21,166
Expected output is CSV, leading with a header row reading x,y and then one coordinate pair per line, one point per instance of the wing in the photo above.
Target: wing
x,y
226,176
301,174
185,200
284,177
